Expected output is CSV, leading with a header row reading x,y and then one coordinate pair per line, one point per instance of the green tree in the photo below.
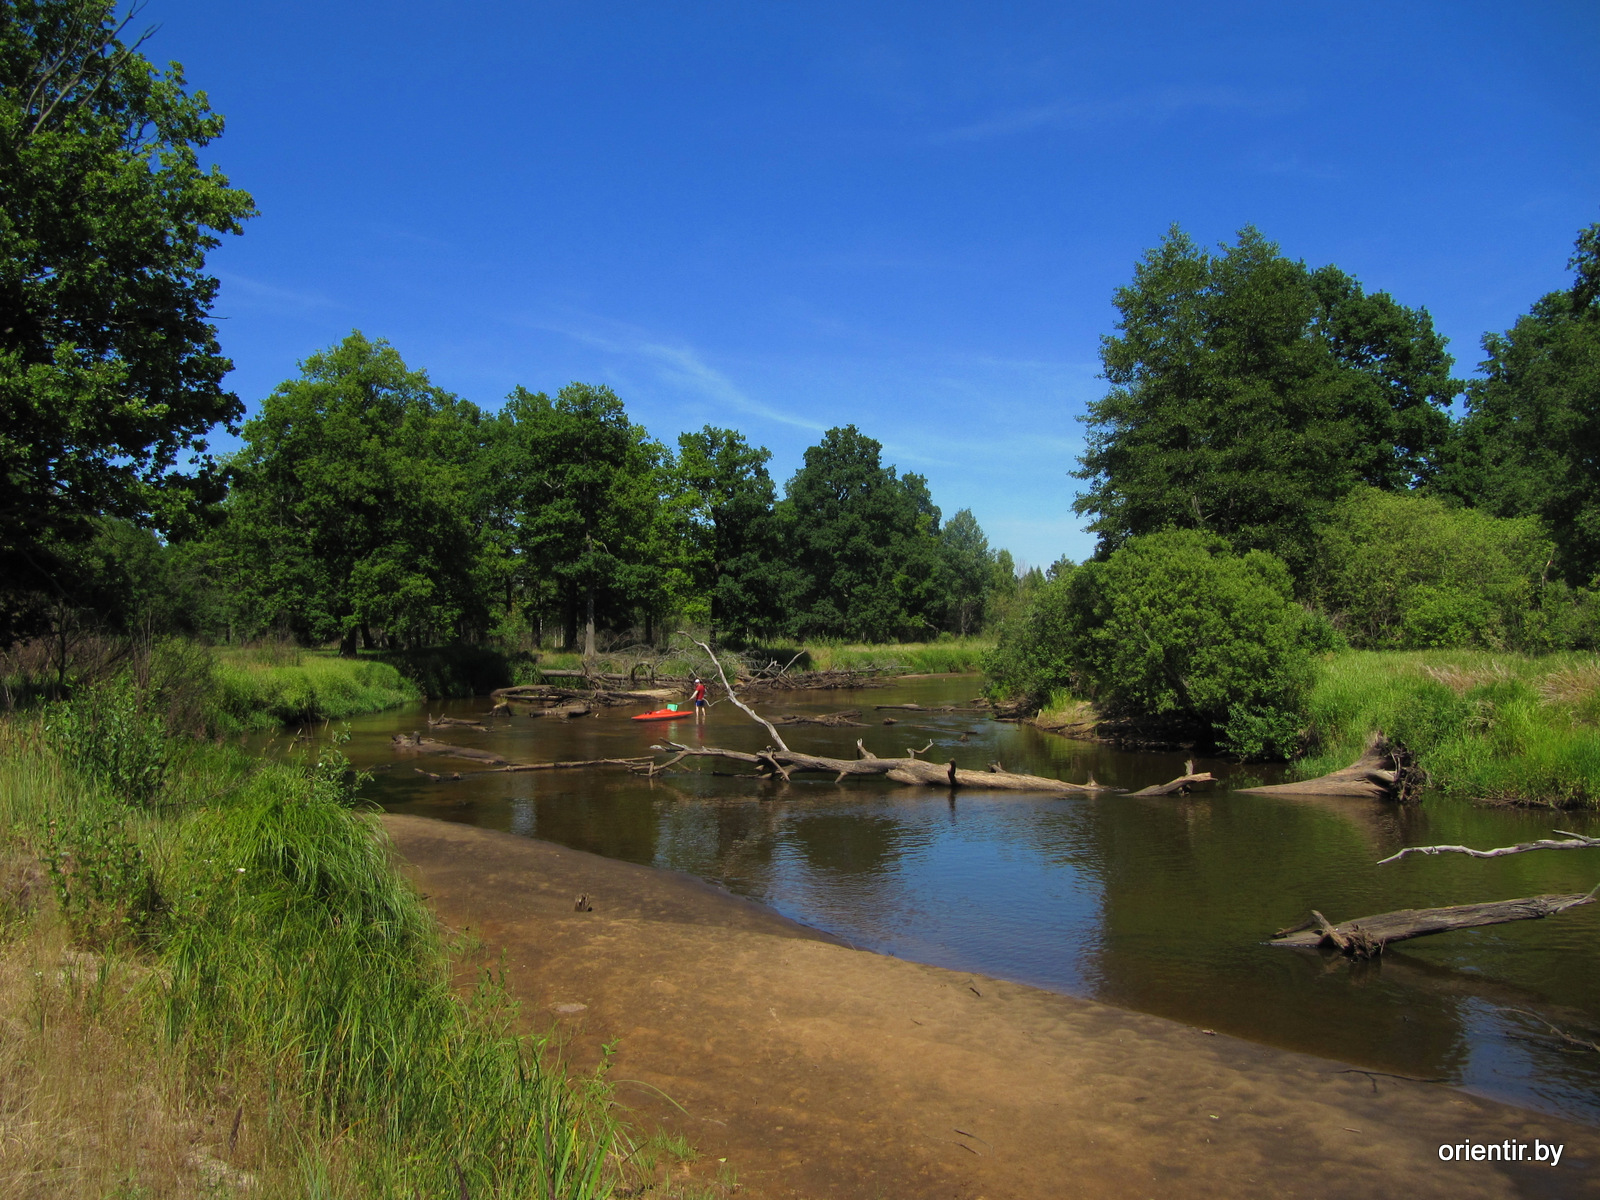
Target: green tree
x,y
584,486
356,505
969,567
110,371
865,543
1174,626
1530,442
1409,572
730,531
1250,393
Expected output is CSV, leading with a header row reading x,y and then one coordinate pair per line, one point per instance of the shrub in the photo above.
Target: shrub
x,y
109,734
1173,625
1398,571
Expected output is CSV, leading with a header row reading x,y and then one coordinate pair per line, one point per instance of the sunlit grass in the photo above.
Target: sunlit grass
x,y
264,688
1502,727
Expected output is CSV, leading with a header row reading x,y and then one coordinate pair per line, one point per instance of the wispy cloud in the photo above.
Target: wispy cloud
x,y
682,366
235,284
1083,114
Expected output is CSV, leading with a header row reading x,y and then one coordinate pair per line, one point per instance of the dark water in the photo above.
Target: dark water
x,y
1154,904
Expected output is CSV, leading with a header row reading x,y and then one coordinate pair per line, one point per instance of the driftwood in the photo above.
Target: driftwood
x,y
832,720
1365,937
639,761
1571,841
1384,772
549,695
819,680
1181,786
937,708
912,770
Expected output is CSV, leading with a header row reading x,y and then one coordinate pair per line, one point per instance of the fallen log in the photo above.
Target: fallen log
x,y
1571,841
936,708
1385,771
784,763
1365,937
415,743
547,694
1181,786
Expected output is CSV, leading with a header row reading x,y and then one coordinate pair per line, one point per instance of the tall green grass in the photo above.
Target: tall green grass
x,y
946,656
1501,727
286,956
262,689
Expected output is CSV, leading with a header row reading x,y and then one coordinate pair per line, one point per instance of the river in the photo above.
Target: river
x,y
1155,904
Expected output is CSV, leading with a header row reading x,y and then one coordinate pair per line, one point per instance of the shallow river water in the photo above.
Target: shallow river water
x,y
1156,904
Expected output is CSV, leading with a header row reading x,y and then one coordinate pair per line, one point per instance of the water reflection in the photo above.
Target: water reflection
x,y
1159,904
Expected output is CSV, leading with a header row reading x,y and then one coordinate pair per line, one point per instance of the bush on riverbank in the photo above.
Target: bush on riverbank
x,y
1507,728
247,948
1174,628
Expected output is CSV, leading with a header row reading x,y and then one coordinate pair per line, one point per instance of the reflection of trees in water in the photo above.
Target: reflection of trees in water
x,y
618,821
730,840
846,843
1194,886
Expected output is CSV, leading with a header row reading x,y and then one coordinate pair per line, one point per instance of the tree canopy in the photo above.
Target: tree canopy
x,y
1529,445
1251,392
110,371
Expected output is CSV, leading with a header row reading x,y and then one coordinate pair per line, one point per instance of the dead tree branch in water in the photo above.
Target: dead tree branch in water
x,y
1573,841
777,738
1385,771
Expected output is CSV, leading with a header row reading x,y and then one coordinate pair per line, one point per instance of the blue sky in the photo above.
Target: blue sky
x,y
781,217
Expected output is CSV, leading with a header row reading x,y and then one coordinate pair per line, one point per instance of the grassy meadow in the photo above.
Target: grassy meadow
x,y
268,686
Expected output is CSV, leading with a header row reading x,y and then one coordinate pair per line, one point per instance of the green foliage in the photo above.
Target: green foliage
x,y
257,689
969,570
103,883
1500,727
1250,393
577,497
1409,572
110,734
865,544
1174,626
729,532
109,369
1531,437
354,505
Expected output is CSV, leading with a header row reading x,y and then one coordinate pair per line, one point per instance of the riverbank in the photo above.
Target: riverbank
x,y
213,980
817,1070
1501,728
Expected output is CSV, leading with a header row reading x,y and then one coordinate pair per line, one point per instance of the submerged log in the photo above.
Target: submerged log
x,y
1365,937
415,743
452,722
938,708
1385,771
785,762
832,720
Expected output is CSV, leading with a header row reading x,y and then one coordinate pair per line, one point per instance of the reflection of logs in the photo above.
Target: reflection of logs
x,y
1385,771
1181,786
1365,937
902,770
976,706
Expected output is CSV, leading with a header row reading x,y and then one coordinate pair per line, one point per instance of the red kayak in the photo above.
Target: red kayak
x,y
663,714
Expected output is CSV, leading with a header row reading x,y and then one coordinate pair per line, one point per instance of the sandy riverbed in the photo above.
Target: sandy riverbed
x,y
821,1071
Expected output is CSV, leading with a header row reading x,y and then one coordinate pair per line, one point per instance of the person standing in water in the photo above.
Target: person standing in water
x,y
699,700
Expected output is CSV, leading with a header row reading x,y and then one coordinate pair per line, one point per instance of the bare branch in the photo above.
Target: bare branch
x,y
1577,842
777,738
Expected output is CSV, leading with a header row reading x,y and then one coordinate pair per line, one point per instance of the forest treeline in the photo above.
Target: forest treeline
x,y
1276,471
369,507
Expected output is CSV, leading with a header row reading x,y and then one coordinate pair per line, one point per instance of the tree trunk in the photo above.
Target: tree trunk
x,y
347,647
1365,937
366,636
588,626
570,643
